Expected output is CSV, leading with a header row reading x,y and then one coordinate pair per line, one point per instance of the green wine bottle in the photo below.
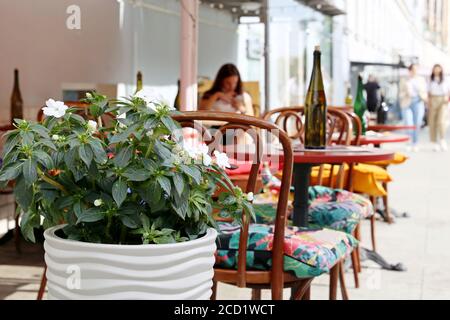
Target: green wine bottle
x,y
316,108
16,99
177,103
360,106
139,83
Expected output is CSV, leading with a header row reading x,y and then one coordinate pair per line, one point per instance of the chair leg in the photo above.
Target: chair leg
x,y
372,232
302,291
387,211
43,285
256,294
214,291
342,281
355,267
358,252
307,294
334,277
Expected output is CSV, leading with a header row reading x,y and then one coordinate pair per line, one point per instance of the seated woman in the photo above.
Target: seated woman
x,y
227,94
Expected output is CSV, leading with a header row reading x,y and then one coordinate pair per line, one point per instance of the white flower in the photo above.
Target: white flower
x,y
54,108
151,98
98,202
222,159
191,151
92,126
250,196
55,137
207,160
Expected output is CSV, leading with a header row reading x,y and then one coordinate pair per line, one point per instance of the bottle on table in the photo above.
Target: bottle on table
x,y
139,83
316,108
16,99
177,102
360,106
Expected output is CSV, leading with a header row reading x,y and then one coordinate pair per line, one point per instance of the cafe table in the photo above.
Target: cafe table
x,y
304,160
389,127
381,138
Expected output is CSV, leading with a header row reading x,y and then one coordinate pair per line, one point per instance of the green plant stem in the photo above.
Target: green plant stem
x,y
149,149
52,182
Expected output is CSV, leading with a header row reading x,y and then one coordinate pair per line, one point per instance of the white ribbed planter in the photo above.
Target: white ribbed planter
x,y
80,270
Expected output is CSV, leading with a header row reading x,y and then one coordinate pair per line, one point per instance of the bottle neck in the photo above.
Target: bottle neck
x,y
16,79
317,81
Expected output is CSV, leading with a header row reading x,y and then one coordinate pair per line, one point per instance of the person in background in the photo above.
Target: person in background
x,y
372,87
438,96
413,96
227,93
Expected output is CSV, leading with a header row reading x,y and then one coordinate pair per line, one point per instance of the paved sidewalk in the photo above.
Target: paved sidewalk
x,y
420,187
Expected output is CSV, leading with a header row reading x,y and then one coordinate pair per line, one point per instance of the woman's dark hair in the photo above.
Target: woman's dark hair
x,y
227,70
441,74
411,66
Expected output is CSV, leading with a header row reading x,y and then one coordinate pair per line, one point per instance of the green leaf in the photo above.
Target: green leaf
x,y
86,154
11,172
123,136
150,165
27,137
178,181
164,183
122,159
77,118
99,151
130,221
23,194
169,123
11,143
47,143
193,172
41,130
137,175
29,171
119,192
151,123
162,151
43,158
91,215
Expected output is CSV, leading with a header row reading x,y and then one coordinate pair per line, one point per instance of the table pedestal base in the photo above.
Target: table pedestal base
x,y
302,173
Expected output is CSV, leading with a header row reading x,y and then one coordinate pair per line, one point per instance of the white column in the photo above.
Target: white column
x,y
189,54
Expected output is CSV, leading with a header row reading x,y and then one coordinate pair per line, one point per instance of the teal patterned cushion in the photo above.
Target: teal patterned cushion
x,y
306,253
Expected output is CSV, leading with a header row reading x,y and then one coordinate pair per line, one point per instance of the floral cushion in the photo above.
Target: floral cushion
x,y
337,209
331,208
306,253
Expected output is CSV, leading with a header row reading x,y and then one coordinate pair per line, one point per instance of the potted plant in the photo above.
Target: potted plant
x,y
126,207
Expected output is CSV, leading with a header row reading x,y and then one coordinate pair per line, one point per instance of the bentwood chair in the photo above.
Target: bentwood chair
x,y
261,256
330,205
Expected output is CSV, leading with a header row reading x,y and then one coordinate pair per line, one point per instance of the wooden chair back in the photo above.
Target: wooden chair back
x,y
339,132
255,128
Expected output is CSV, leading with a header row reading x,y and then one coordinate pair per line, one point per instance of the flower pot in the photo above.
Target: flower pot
x,y
80,270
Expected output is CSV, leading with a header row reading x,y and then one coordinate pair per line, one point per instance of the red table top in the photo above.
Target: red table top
x,y
387,138
337,155
389,127
334,155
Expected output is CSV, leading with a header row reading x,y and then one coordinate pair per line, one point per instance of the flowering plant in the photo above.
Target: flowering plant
x,y
129,180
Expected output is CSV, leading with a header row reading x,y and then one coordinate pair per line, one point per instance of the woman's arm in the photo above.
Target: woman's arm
x,y
207,103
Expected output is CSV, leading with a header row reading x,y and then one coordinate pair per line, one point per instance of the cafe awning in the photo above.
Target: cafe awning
x,y
327,7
